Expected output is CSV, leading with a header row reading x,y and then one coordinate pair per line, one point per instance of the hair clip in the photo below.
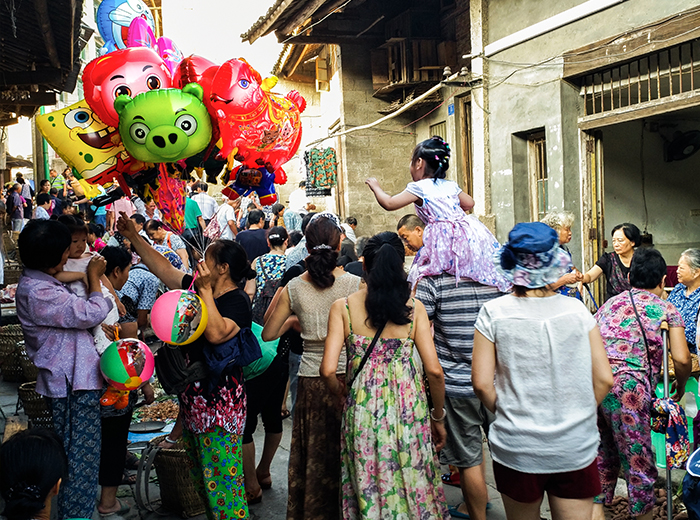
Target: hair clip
x,y
321,247
330,216
21,489
274,235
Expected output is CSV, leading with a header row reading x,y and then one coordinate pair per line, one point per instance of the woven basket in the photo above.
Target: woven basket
x,y
12,276
9,336
177,493
12,369
35,406
29,369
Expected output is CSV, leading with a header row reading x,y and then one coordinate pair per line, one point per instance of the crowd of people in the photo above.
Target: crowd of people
x,y
393,367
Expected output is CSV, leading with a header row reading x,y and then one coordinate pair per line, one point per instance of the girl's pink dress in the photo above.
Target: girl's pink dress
x,y
453,242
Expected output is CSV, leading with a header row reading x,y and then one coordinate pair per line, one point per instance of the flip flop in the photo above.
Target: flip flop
x,y
451,479
123,508
456,513
286,413
266,483
132,461
127,479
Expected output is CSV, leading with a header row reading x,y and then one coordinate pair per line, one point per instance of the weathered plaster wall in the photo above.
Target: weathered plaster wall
x,y
669,200
382,152
522,97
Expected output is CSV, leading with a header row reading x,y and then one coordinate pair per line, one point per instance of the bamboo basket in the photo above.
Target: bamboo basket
x,y
29,369
11,368
9,336
177,492
35,406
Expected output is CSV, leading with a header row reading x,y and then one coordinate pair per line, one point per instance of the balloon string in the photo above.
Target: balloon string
x,y
194,277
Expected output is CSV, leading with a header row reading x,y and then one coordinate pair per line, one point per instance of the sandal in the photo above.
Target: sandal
x,y
253,499
128,479
265,483
286,414
123,509
451,479
132,461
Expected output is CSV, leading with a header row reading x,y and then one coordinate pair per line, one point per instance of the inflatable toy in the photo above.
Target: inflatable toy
x,y
140,34
93,148
247,180
114,18
127,364
179,317
257,128
123,72
164,125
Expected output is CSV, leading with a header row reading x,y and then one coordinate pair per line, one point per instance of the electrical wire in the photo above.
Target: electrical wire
x,y
316,23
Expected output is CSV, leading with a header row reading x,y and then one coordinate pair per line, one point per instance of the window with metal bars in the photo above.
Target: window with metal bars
x,y
658,75
538,179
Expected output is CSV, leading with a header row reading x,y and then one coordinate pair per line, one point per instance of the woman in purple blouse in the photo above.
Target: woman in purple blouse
x,y
56,326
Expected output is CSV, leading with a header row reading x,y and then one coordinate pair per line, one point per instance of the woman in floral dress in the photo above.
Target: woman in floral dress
x,y
389,463
212,412
624,414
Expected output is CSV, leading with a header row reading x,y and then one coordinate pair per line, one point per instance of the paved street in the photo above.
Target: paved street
x,y
273,506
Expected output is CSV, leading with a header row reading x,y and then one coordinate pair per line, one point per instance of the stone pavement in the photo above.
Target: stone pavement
x,y
273,506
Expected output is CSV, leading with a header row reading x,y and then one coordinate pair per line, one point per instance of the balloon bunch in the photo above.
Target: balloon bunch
x,y
150,117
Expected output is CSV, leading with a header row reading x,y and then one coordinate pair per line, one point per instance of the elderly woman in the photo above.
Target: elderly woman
x,y
561,222
56,326
616,265
212,412
686,295
158,235
630,324
544,392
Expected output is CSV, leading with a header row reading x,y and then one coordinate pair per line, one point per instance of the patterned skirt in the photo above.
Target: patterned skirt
x,y
314,456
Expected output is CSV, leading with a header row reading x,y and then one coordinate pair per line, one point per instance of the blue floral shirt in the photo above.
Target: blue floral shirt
x,y
688,307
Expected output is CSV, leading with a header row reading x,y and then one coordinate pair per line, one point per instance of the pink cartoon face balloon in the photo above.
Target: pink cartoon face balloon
x,y
128,72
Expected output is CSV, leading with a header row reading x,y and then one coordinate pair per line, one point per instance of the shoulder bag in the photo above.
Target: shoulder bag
x,y
213,230
174,374
652,388
367,354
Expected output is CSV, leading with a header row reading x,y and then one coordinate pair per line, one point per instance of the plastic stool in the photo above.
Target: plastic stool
x,y
658,440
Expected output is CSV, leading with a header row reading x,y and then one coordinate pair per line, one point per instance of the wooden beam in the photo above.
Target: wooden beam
x,y
335,38
641,110
300,17
31,77
298,61
654,37
11,97
42,14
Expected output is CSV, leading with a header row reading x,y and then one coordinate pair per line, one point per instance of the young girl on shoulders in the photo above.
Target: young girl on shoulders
x,y
453,242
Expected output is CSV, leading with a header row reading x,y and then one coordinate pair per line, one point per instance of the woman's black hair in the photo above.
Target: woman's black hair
x,y
631,232
42,243
295,237
647,269
276,208
153,225
232,254
306,219
277,235
96,229
436,153
322,241
387,288
31,463
74,224
116,257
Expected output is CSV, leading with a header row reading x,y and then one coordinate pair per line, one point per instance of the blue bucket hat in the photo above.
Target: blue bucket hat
x,y
532,257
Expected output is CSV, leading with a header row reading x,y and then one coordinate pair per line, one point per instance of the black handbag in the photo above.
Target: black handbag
x,y
174,374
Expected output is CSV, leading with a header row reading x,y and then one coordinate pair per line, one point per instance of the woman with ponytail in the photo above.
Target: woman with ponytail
x,y
314,460
389,466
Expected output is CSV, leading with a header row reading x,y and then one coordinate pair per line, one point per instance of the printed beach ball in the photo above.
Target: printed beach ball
x,y
127,364
179,317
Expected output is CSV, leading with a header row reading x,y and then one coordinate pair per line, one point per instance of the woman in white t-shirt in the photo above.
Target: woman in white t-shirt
x,y
539,364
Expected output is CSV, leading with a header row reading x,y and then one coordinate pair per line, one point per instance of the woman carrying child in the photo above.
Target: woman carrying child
x,y
56,326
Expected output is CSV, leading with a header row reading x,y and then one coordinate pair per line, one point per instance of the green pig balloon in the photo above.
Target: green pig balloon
x,y
164,125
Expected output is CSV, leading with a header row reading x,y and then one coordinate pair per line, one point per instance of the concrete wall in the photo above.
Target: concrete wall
x,y
525,94
383,152
669,201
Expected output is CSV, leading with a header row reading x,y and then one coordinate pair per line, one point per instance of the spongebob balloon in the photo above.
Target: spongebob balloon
x,y
90,146
164,125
